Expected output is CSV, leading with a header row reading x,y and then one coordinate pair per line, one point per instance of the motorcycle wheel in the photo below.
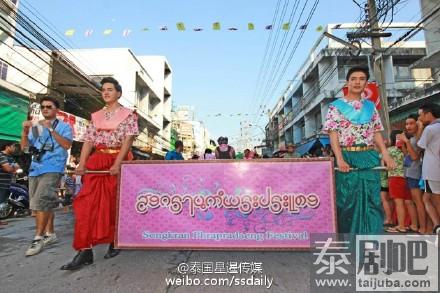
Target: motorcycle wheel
x,y
19,213
6,212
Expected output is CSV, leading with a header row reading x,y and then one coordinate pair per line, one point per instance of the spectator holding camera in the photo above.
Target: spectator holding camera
x,y
47,141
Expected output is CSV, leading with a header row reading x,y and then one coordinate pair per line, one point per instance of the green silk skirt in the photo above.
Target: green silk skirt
x,y
359,207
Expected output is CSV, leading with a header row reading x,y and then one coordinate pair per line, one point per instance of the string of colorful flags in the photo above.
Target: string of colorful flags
x,y
234,114
180,26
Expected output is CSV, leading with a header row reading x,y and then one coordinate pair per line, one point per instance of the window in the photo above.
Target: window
x,y
303,129
318,121
402,72
344,67
3,70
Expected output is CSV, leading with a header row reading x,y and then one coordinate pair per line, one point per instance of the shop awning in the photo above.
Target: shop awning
x,y
13,111
324,141
303,149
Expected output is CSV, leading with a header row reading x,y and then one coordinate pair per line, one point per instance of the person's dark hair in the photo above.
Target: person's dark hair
x,y
50,99
393,136
208,151
113,81
432,108
178,144
357,69
5,144
413,116
222,140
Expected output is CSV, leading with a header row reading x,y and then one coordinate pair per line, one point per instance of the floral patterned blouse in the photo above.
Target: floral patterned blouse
x,y
113,138
352,134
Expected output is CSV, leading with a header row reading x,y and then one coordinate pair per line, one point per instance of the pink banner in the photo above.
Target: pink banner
x,y
260,204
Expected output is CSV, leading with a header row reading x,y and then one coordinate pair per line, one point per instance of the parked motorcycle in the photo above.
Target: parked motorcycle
x,y
17,204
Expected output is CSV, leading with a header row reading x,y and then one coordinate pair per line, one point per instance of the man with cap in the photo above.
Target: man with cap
x,y
291,153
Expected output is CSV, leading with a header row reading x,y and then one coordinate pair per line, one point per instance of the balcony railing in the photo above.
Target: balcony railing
x,y
417,94
310,95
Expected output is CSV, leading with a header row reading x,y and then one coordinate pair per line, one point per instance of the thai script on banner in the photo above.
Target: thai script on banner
x,y
79,125
275,203
252,204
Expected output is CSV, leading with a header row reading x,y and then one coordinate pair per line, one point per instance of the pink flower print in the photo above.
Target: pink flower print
x,y
345,123
357,105
331,125
349,141
366,133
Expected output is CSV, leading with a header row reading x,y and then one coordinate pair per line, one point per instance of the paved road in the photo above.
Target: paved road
x,y
131,271
134,270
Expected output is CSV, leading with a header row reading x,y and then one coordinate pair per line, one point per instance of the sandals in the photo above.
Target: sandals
x,y
412,231
387,226
396,229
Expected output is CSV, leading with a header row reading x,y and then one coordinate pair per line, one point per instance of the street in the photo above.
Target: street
x,y
131,271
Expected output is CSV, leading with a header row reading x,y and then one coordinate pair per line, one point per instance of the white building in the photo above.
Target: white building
x,y
245,141
201,137
146,86
39,68
7,9
145,80
192,133
35,62
430,91
14,99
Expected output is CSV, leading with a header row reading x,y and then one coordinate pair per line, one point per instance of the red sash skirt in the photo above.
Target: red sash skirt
x,y
95,205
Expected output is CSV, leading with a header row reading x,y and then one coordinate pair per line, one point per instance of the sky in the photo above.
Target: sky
x,y
214,71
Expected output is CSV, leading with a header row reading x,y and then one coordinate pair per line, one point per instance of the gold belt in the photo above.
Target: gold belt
x,y
357,148
108,151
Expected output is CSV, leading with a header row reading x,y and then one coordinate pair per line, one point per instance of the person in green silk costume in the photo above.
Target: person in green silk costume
x,y
354,128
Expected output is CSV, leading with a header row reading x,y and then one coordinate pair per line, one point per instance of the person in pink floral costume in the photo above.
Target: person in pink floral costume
x,y
354,127
107,143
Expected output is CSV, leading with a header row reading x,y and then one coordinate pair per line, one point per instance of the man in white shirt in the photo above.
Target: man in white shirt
x,y
429,116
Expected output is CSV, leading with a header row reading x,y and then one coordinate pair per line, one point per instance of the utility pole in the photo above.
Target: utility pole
x,y
377,61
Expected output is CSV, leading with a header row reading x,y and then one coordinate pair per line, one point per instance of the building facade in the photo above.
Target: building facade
x,y
7,31
194,135
146,87
429,91
14,100
146,83
300,112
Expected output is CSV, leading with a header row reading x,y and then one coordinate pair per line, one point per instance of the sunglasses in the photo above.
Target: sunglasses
x,y
46,107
